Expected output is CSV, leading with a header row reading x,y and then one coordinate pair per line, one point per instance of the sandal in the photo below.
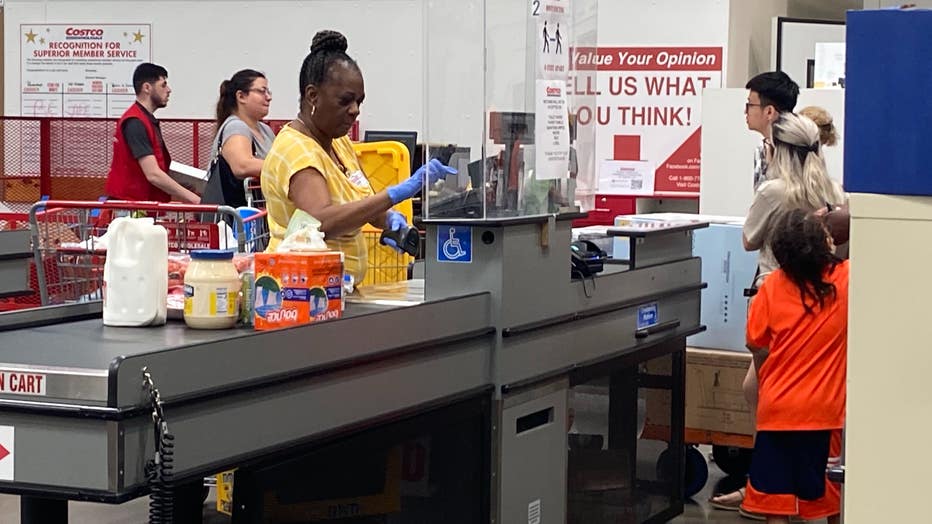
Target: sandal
x,y
760,516
751,515
733,502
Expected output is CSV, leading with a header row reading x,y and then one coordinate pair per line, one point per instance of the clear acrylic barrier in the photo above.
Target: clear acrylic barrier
x,y
501,105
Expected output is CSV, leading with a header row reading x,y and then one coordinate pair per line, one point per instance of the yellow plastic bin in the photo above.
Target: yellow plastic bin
x,y
386,164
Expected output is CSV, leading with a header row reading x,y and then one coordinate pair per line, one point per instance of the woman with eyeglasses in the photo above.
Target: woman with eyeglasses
x,y
242,139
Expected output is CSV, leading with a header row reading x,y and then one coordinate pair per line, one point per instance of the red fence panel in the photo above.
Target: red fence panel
x,y
68,158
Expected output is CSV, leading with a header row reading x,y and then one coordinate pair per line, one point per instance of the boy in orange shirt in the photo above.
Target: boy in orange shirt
x,y
797,331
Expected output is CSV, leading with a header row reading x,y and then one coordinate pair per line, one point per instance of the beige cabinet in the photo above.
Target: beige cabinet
x,y
889,423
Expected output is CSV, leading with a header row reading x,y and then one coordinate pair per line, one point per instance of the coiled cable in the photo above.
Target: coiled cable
x,y
160,474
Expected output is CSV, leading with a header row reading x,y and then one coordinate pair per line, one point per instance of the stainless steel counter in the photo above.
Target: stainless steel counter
x,y
236,395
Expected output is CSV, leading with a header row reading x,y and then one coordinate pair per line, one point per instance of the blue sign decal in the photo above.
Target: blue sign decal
x,y
454,244
648,316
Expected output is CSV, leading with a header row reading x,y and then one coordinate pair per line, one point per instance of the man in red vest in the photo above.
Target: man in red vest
x,y
140,159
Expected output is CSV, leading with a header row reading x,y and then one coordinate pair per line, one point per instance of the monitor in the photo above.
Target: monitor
x,y
408,138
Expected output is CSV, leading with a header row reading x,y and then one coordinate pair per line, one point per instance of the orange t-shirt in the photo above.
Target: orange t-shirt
x,y
802,382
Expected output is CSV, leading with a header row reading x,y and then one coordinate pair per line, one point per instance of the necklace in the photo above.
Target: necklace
x,y
331,153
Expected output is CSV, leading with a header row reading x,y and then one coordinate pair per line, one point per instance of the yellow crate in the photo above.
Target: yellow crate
x,y
385,164
385,264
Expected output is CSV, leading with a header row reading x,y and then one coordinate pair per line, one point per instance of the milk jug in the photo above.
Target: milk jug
x,y
135,273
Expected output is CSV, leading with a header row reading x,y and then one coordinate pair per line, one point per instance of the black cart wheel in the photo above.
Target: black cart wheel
x,y
697,471
732,460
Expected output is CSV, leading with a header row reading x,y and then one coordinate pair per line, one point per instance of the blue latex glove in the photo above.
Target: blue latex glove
x,y
394,221
433,170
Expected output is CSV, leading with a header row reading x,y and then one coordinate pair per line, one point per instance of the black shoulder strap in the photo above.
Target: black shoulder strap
x,y
220,138
752,290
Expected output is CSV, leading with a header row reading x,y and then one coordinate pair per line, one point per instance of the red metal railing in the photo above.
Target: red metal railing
x,y
68,158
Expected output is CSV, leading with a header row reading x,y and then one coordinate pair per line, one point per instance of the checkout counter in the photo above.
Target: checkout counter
x,y
451,401
500,389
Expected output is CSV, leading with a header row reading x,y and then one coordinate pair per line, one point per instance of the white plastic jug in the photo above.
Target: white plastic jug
x,y
136,273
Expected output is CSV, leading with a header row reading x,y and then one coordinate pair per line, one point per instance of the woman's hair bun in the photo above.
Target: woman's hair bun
x,y
327,41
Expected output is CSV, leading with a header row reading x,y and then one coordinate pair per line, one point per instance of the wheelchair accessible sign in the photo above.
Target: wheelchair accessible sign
x,y
454,244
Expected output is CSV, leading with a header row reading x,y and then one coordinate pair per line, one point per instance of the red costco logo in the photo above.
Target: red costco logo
x,y
74,31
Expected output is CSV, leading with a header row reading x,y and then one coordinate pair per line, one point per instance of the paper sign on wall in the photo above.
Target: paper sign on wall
x,y
80,70
553,32
551,130
551,117
626,177
829,65
651,97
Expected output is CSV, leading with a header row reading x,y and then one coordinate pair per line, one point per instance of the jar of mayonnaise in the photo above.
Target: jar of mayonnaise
x,y
211,290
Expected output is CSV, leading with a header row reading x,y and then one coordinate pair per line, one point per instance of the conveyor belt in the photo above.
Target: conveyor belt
x,y
90,364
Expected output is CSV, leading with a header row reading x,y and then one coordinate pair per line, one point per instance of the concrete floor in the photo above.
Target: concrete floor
x,y
135,512
698,511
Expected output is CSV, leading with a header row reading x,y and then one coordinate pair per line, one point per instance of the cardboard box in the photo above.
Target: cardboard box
x,y
191,178
714,397
297,288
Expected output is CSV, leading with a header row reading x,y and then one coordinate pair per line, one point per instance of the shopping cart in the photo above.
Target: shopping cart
x,y
69,253
253,190
11,221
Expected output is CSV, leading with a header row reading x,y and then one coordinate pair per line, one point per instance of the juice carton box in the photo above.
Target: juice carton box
x,y
297,288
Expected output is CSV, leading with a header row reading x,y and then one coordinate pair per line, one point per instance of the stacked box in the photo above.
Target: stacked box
x,y
714,396
297,288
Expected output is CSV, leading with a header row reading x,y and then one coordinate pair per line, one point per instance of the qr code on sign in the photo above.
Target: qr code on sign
x,y
637,184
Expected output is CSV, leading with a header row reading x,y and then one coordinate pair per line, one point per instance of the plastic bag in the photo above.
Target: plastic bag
x,y
227,236
303,234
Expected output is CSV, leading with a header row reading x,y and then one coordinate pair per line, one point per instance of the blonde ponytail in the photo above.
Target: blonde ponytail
x,y
798,162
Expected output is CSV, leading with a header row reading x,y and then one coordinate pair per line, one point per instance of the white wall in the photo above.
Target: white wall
x,y
666,22
423,70
749,39
202,42
728,147
822,9
889,391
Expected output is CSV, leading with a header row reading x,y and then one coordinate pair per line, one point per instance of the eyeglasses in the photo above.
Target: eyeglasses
x,y
748,106
264,91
